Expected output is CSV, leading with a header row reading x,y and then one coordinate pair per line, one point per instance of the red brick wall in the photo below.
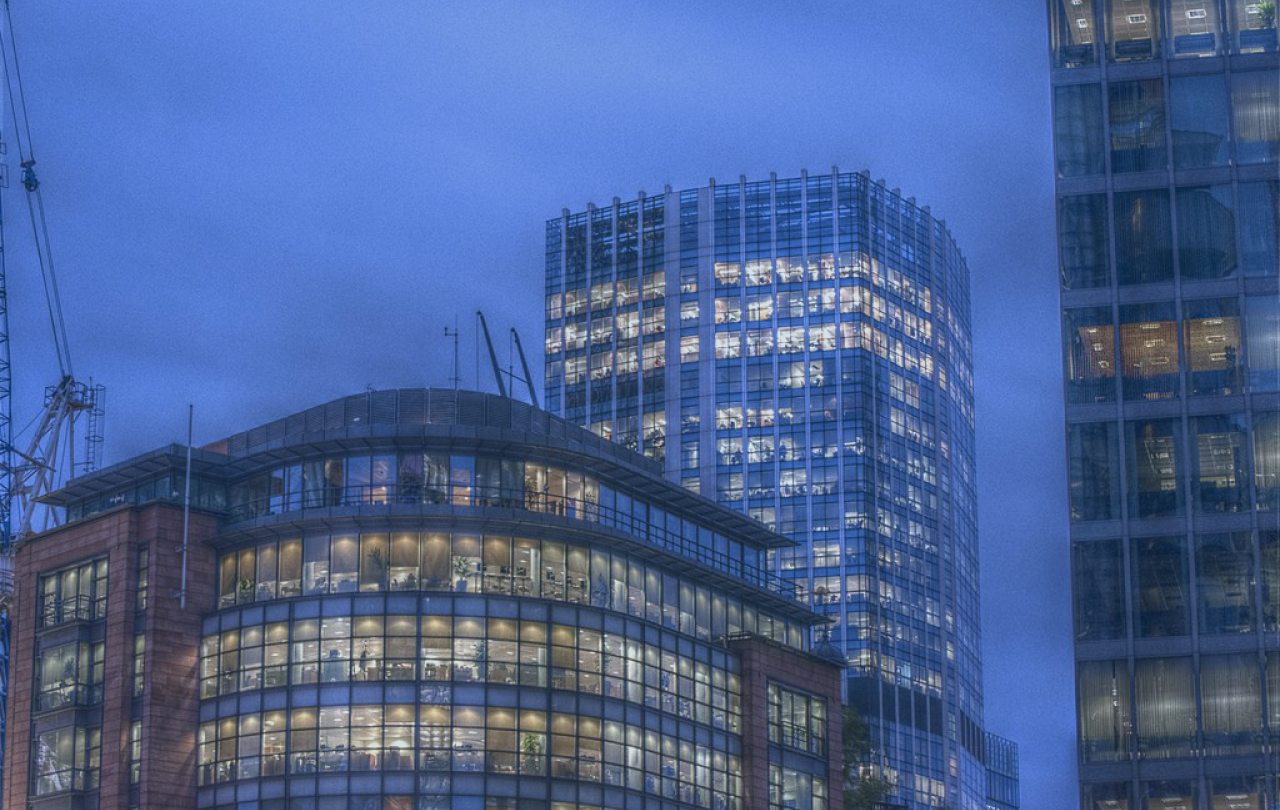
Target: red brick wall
x,y
171,647
171,695
764,661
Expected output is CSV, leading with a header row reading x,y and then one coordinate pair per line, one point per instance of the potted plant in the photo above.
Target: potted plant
x,y
480,654
461,570
531,751
1267,14
1262,36
378,564
246,589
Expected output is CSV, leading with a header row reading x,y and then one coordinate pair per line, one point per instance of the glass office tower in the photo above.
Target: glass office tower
x,y
1167,128
799,350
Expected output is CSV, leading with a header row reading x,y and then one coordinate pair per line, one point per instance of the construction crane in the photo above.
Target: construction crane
x,y
49,456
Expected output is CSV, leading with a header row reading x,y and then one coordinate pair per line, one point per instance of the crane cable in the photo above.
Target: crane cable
x,y
39,224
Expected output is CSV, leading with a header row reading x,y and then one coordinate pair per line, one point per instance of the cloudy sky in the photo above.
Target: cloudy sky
x,y
258,207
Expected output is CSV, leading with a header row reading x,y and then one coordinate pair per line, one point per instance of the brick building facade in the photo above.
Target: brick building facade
x,y
411,600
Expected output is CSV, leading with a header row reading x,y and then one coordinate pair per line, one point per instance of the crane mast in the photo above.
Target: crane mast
x,y
49,457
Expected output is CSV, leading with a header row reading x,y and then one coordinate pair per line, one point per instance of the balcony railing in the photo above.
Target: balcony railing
x,y
71,694
70,609
800,737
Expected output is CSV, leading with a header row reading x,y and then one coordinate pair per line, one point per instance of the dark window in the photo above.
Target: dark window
x,y
1137,126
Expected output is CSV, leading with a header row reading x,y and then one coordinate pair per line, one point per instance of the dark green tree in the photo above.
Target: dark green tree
x,y
861,791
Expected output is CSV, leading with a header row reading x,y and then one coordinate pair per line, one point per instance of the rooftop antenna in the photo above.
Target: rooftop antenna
x,y
186,507
524,364
511,362
493,356
453,333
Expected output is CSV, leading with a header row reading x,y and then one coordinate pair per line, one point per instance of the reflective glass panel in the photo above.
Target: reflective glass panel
x,y
1195,27
1266,460
1206,232
1105,796
1155,486
1106,722
1133,30
1177,794
1198,116
1269,554
1259,214
1082,241
1255,106
1161,591
1231,704
1098,590
1077,129
1144,239
1090,355
1254,25
1164,694
1220,467
1211,340
1137,126
1262,336
1149,351
1224,583
1093,471
1075,33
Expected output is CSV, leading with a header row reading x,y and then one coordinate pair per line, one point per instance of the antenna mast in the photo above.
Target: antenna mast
x,y
453,333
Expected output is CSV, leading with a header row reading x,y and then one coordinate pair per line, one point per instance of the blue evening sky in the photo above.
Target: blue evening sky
x,y
262,206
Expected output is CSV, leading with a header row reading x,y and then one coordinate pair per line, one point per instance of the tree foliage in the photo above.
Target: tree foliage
x,y
862,791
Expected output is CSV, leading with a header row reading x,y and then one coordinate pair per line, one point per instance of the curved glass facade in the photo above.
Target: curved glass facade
x,y
799,350
466,562
466,688
436,599
490,623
